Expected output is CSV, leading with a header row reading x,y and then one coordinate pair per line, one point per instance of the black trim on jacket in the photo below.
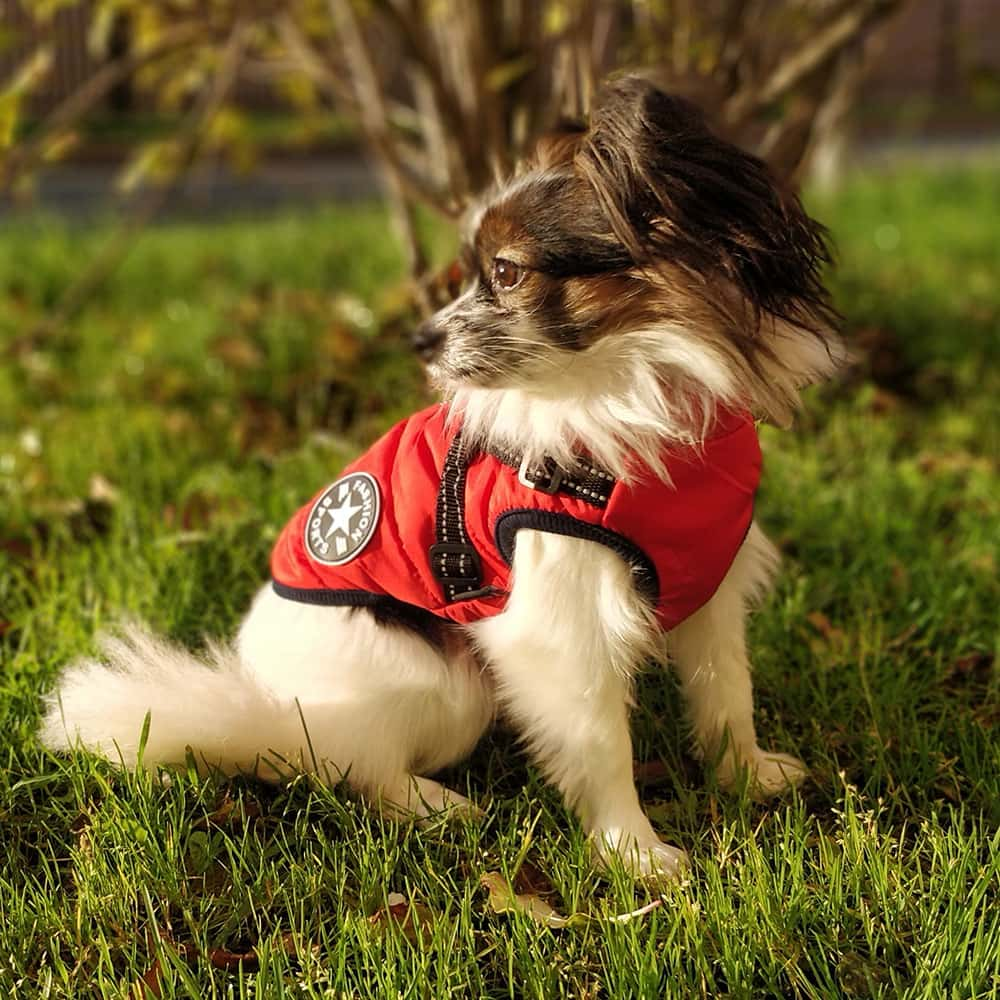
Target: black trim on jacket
x,y
508,524
384,609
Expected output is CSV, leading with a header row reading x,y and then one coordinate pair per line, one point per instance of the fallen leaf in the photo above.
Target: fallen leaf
x,y
292,949
231,812
340,345
238,353
651,772
102,491
972,665
533,880
223,958
952,462
825,627
884,401
18,548
410,917
503,899
148,984
245,960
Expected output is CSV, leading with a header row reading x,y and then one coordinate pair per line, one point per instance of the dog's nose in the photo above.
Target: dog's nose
x,y
427,340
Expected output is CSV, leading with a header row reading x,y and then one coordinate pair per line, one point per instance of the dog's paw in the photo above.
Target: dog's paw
x,y
424,801
769,774
647,857
459,809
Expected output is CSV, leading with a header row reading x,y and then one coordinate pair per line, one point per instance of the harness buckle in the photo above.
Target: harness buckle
x,y
546,479
455,563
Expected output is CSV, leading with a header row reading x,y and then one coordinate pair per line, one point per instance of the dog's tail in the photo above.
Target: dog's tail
x,y
215,709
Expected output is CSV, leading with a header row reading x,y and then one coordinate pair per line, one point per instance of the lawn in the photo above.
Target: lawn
x,y
152,447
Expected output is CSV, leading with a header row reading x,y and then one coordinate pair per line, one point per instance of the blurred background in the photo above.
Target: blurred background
x,y
277,102
303,85
219,219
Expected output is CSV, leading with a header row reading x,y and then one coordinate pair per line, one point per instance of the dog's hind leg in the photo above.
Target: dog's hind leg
x,y
380,704
710,656
563,653
422,798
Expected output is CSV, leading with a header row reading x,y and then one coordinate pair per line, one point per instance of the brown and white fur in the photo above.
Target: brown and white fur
x,y
638,273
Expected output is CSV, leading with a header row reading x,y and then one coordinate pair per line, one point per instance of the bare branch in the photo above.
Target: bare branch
x,y
824,45
72,109
411,28
312,63
375,122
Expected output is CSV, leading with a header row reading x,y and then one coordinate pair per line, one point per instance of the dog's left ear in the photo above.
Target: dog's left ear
x,y
558,146
672,190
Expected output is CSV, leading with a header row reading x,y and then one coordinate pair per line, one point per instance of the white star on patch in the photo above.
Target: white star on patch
x,y
340,518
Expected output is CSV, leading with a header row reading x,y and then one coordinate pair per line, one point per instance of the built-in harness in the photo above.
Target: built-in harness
x,y
422,521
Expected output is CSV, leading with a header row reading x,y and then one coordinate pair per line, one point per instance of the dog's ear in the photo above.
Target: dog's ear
x,y
558,146
673,190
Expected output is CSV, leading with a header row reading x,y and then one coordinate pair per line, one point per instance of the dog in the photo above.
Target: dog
x,y
580,505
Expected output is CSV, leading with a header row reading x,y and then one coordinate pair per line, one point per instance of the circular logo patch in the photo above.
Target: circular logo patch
x,y
343,519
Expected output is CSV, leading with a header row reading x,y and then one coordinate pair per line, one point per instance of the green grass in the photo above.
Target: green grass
x,y
225,371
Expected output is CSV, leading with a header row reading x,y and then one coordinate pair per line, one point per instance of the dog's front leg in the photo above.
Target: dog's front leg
x,y
563,653
710,655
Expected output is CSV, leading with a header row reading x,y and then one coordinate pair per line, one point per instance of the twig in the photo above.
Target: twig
x,y
411,30
312,63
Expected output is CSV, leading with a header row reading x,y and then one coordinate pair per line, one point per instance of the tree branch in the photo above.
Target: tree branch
x,y
825,43
375,122
81,101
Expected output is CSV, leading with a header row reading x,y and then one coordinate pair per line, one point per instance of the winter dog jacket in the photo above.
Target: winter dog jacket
x,y
419,522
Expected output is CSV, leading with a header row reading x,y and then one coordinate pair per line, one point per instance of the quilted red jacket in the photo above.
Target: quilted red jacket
x,y
396,527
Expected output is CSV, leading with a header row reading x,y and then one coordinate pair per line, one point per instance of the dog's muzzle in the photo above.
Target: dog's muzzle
x,y
427,340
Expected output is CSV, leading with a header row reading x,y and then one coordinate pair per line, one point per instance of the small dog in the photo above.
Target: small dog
x,y
580,506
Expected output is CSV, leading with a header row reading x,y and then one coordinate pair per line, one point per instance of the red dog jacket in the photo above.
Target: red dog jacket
x,y
417,522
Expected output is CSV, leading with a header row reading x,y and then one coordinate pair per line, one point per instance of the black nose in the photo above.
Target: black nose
x,y
427,341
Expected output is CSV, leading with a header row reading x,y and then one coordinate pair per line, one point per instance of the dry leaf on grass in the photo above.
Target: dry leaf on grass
x,y
972,666
503,899
149,984
238,353
834,637
409,916
651,772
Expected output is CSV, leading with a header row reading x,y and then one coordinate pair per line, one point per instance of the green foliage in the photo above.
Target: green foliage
x,y
150,452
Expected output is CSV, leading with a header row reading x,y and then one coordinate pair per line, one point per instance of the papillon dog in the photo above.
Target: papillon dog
x,y
579,506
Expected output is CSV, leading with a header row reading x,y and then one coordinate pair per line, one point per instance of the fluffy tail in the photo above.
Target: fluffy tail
x,y
216,708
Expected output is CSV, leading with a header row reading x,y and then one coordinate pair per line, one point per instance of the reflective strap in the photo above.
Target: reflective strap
x,y
584,481
454,561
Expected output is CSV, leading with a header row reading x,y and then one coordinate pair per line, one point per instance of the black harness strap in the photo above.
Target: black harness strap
x,y
454,561
584,481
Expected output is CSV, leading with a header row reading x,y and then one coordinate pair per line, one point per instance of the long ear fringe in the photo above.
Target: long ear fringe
x,y
673,190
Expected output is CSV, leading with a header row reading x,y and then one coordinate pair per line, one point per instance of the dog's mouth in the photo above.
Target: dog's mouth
x,y
450,377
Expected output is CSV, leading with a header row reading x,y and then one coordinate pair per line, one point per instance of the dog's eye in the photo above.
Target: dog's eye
x,y
507,274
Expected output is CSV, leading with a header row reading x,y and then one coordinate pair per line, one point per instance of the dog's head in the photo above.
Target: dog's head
x,y
645,237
